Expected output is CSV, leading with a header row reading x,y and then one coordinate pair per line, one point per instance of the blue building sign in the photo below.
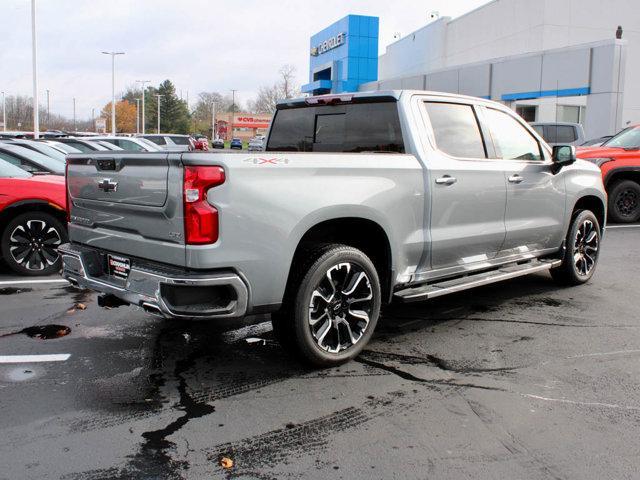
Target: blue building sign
x,y
343,55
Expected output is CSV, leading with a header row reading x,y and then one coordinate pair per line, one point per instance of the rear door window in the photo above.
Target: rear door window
x,y
456,130
157,140
562,133
349,128
180,140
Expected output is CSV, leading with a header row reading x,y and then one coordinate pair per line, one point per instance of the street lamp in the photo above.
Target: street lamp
x,y
48,125
143,82
113,89
4,114
34,55
159,111
137,115
233,109
74,114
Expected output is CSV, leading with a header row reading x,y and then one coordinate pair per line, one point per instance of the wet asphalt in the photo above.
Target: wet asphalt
x,y
518,380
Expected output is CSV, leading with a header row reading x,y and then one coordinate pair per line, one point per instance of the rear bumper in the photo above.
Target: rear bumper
x,y
159,292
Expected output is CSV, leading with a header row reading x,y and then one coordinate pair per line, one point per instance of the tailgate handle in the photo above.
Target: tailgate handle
x,y
106,164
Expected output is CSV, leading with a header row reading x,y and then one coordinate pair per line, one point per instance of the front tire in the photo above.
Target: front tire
x,y
582,250
624,201
30,243
331,307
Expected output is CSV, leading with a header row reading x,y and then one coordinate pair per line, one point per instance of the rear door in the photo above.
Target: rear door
x,y
128,203
534,216
467,189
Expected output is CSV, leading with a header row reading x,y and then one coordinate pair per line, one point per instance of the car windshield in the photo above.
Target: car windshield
x,y
152,146
47,163
627,138
44,149
8,170
65,148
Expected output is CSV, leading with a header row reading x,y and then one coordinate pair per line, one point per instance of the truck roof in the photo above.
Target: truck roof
x,y
374,94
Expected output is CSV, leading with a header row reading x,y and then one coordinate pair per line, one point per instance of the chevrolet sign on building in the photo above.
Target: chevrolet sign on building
x,y
343,55
329,44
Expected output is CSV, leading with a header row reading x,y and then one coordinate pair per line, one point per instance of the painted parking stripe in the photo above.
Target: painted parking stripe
x,y
28,282
56,357
609,227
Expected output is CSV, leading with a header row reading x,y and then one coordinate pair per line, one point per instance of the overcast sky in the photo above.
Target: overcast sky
x,y
200,45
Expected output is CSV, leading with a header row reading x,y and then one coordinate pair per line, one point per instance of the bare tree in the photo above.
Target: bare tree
x,y
269,96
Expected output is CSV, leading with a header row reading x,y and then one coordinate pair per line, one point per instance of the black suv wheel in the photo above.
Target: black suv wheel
x,y
582,250
624,201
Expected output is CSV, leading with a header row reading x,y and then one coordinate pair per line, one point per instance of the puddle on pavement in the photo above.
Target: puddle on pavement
x,y
13,290
20,374
43,332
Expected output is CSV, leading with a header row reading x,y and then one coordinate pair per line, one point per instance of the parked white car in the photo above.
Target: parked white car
x,y
128,143
170,142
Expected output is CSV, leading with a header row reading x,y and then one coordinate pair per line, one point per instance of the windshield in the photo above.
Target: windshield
x,y
45,149
152,146
8,170
46,163
65,148
627,138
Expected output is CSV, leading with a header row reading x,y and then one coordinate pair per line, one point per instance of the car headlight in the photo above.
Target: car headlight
x,y
599,161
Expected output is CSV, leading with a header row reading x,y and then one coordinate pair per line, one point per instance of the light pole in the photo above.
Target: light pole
x,y
159,96
34,54
233,109
137,115
74,114
213,121
48,126
4,114
113,89
143,82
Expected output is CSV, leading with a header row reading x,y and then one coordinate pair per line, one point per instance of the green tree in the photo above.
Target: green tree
x,y
174,113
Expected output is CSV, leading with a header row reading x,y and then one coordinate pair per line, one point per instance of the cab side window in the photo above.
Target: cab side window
x,y
511,139
456,129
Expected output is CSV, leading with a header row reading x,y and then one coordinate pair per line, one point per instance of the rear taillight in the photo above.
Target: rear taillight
x,y
200,218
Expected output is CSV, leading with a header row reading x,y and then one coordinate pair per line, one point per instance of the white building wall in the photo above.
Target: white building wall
x,y
504,28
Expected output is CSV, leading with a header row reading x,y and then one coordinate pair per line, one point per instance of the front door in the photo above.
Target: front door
x,y
467,191
534,217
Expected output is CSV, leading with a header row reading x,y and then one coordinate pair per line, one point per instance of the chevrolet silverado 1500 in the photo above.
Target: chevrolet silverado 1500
x,y
357,200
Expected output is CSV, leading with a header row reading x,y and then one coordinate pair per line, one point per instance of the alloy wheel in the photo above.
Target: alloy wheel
x,y
33,244
340,307
586,245
627,202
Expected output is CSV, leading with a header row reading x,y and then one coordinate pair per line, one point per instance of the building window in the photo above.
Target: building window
x,y
570,113
527,112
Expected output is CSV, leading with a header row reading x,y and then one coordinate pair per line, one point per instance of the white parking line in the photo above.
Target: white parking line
x,y
611,227
27,282
56,357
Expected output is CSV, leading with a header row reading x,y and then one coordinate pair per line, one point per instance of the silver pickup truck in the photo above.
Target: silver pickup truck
x,y
358,200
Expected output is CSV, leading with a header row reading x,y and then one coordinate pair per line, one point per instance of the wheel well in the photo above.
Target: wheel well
x,y
13,211
365,235
633,175
595,205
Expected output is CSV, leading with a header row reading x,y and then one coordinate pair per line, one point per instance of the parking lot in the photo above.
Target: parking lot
x,y
519,379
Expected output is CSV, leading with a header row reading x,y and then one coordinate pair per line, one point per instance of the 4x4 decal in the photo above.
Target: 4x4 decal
x,y
266,161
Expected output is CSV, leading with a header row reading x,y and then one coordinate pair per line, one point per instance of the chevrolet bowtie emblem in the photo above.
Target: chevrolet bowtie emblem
x,y
107,185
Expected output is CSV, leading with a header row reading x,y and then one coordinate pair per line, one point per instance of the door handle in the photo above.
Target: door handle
x,y
516,179
446,180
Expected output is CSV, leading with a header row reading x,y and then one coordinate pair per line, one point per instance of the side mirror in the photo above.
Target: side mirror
x,y
563,155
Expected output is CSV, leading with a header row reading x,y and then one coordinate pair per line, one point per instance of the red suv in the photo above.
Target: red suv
x,y
619,160
32,220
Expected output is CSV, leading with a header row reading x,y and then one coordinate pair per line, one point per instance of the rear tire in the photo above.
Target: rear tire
x,y
582,249
331,306
624,201
30,243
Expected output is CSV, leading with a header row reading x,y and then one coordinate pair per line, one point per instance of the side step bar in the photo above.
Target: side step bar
x,y
432,290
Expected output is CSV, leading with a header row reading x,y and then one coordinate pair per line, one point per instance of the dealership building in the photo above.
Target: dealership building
x,y
550,60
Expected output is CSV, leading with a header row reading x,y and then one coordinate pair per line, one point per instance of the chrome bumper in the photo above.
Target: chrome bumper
x,y
82,267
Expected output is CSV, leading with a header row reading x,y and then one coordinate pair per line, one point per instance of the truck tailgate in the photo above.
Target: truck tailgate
x,y
128,203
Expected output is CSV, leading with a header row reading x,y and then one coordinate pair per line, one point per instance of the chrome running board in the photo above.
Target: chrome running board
x,y
437,289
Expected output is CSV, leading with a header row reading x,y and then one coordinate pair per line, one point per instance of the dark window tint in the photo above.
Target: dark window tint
x,y
560,134
456,130
180,140
81,146
19,162
8,170
510,138
157,140
357,127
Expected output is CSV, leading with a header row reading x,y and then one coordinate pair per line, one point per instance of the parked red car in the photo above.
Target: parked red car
x,y
32,220
619,160
200,142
